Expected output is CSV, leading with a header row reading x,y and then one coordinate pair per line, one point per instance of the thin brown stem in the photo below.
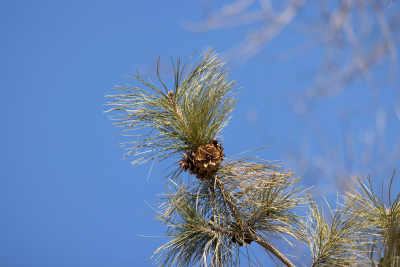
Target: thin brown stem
x,y
271,249
171,98
248,231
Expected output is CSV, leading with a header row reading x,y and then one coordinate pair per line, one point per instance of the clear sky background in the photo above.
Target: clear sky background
x,y
66,196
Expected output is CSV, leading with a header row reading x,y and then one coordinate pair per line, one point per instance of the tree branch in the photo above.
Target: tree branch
x,y
248,231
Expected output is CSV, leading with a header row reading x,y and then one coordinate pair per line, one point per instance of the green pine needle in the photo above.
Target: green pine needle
x,y
197,231
202,225
338,243
266,196
244,199
382,222
166,122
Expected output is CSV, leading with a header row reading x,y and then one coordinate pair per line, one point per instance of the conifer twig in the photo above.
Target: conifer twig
x,y
250,197
250,234
170,97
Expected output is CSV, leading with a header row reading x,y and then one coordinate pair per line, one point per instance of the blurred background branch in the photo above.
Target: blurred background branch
x,y
352,45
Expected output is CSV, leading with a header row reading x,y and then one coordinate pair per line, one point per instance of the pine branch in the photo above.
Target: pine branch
x,y
335,243
238,201
198,231
381,222
209,219
248,231
167,122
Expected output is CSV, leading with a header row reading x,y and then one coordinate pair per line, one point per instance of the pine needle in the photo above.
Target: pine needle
x,y
168,122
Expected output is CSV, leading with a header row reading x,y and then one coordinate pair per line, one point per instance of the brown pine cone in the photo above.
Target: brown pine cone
x,y
205,160
208,157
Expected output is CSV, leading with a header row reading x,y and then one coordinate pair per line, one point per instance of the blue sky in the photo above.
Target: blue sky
x,y
66,197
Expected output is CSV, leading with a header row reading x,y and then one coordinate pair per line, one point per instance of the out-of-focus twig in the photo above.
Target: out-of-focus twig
x,y
357,38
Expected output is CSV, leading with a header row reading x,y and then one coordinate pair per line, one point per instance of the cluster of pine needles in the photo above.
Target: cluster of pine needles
x,y
211,221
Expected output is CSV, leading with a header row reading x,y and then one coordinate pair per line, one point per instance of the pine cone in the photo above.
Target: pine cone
x,y
205,160
241,241
187,163
239,234
208,157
